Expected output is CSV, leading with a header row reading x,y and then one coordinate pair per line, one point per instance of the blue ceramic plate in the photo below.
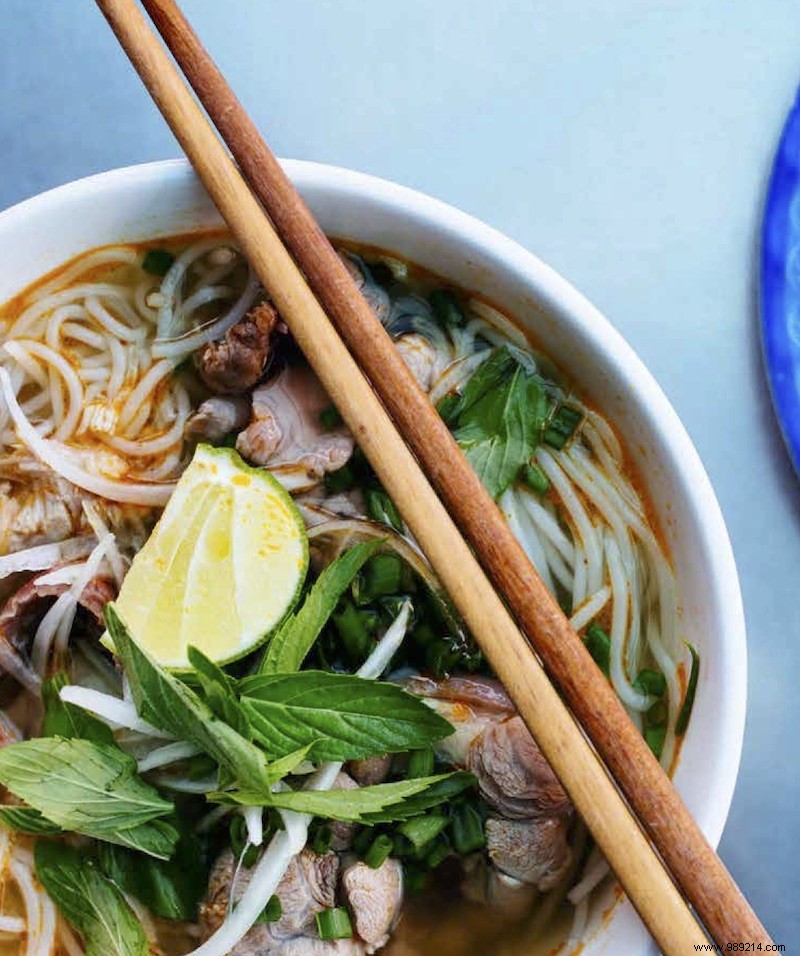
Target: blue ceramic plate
x,y
780,283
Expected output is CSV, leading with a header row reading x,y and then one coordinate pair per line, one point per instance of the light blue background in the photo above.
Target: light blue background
x,y
625,142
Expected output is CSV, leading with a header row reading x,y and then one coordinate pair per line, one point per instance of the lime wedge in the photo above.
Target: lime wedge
x,y
223,566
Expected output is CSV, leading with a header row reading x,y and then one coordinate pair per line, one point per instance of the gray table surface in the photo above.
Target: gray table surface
x,y
625,142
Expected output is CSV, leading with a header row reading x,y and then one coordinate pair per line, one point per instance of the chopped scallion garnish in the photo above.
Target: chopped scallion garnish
x,y
688,701
655,739
341,480
467,830
272,911
379,851
380,507
535,478
334,924
562,426
651,682
421,830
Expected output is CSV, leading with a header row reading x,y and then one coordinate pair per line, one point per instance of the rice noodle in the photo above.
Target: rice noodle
x,y
21,873
163,756
254,821
63,461
590,608
178,348
114,711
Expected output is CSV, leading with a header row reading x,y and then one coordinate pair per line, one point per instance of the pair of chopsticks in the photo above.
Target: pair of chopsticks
x,y
429,479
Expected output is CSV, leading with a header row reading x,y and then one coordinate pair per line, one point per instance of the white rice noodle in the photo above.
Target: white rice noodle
x,y
12,925
203,296
579,581
119,330
525,532
139,420
163,756
114,711
287,843
67,939
80,333
589,609
68,375
43,556
177,348
184,784
508,330
583,528
101,532
669,668
63,609
49,924
254,821
31,900
594,873
65,461
548,525
113,255
455,375
143,390
155,446
620,588
170,289
580,918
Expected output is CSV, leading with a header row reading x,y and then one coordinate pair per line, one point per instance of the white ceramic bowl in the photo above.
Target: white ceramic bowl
x,y
143,202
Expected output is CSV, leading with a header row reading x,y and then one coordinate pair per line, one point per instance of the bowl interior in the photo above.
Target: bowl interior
x,y
161,199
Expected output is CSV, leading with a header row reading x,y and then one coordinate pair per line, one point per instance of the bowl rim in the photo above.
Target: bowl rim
x,y
558,295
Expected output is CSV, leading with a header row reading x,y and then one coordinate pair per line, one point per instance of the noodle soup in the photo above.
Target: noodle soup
x,y
128,376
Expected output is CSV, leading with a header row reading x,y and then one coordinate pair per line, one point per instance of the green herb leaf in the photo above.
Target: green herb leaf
x,y
341,716
89,901
87,787
219,691
27,820
382,803
157,261
66,720
168,703
288,648
172,889
499,419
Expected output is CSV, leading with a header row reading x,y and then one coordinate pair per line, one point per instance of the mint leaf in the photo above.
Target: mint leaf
x,y
288,648
27,820
499,419
66,720
90,788
89,901
341,717
168,703
382,803
171,889
219,692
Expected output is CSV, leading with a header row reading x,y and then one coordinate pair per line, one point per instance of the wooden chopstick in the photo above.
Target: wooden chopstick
x,y
691,860
617,834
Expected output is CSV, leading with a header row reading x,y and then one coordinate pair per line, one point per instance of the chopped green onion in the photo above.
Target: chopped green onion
x,y
322,838
658,713
157,261
380,507
351,627
382,574
379,851
334,924
446,307
535,478
467,830
598,643
420,763
651,682
438,853
330,418
655,739
341,480
447,406
562,425
272,912
421,830
691,689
